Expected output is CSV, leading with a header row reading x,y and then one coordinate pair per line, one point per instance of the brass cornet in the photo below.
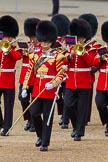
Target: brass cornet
x,y
79,49
5,46
105,57
103,53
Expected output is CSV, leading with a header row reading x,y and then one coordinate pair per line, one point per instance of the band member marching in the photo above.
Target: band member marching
x,y
47,78
101,98
92,47
30,32
8,57
78,83
62,20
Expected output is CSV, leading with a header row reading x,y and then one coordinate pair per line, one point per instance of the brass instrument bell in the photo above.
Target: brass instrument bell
x,y
5,46
79,49
105,57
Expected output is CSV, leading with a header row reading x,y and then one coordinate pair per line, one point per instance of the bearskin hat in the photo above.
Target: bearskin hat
x,y
92,20
62,23
46,31
80,28
30,26
9,26
104,31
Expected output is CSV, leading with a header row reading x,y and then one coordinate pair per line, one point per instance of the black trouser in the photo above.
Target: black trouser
x,y
25,101
9,98
42,106
60,100
55,7
60,104
1,116
101,100
76,103
89,105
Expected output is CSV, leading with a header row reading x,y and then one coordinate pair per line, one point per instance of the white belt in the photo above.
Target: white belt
x,y
104,70
24,64
79,69
7,70
44,76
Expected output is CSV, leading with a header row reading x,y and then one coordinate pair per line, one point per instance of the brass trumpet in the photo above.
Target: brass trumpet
x,y
79,49
105,57
103,53
5,46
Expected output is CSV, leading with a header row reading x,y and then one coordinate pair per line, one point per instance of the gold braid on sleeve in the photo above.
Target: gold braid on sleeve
x,y
28,73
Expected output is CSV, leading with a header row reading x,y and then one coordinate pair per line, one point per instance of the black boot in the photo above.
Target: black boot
x,y
64,126
32,128
73,133
38,142
106,130
27,125
4,132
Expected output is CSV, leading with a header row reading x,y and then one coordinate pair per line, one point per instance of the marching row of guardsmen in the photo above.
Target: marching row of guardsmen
x,y
52,68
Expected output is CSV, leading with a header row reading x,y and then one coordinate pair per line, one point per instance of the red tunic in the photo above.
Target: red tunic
x,y
25,65
79,75
7,68
102,83
48,70
92,48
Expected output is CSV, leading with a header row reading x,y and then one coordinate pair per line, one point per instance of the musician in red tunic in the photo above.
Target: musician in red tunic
x,y
78,83
30,32
62,20
47,67
8,57
101,98
91,46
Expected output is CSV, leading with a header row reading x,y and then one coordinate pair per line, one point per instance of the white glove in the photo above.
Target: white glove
x,y
24,93
49,86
